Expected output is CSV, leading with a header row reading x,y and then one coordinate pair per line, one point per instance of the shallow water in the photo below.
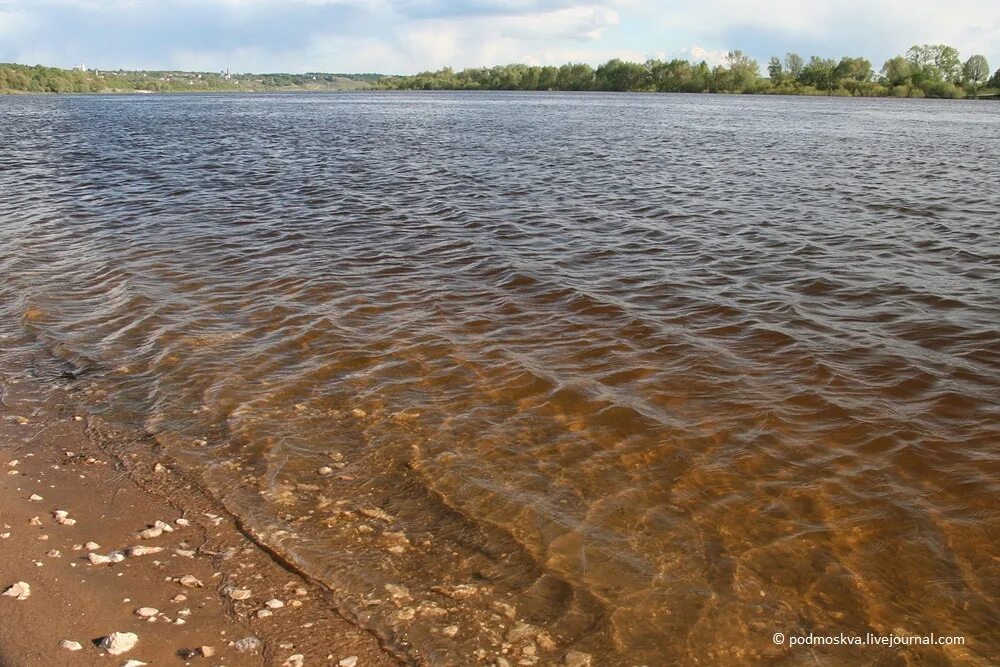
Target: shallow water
x,y
666,374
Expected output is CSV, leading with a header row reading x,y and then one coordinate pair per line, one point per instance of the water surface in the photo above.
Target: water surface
x,y
659,375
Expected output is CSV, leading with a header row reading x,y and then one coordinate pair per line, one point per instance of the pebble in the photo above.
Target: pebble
x,y
349,661
577,659
247,644
507,610
183,522
119,642
545,642
398,592
150,533
133,663
297,660
91,546
142,550
146,612
34,497
190,582
35,521
19,591
164,526
450,631
240,594
98,559
62,518
274,603
325,470
70,645
264,613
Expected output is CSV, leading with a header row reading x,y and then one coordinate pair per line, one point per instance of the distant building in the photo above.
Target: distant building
x,y
81,68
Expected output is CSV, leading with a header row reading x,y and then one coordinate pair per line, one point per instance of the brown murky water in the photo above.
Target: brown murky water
x,y
658,376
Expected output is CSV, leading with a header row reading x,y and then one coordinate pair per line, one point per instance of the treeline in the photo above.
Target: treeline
x,y
930,70
39,79
925,71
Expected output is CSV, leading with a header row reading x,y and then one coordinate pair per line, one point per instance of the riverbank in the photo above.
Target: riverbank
x,y
105,547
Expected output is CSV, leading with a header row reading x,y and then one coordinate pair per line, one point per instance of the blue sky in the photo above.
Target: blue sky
x,y
406,36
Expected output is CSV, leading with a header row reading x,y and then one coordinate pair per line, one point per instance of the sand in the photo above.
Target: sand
x,y
45,452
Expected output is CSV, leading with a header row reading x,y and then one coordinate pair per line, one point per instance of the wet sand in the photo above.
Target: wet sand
x,y
45,454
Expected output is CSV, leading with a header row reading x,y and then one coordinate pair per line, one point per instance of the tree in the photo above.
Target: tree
x,y
742,74
819,73
621,75
775,71
976,71
855,69
897,71
995,81
794,64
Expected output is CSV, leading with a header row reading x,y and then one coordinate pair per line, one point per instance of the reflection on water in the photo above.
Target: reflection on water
x,y
648,377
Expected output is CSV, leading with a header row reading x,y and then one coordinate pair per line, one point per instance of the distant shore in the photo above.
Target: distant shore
x,y
928,70
83,557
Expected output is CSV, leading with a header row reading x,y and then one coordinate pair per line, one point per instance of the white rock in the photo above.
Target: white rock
x,y
190,582
146,612
19,591
297,660
133,663
70,645
183,522
264,613
150,533
247,644
98,559
349,661
34,497
91,546
274,603
164,526
141,550
240,594
119,642
450,631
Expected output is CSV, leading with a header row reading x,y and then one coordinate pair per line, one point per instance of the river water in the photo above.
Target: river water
x,y
656,375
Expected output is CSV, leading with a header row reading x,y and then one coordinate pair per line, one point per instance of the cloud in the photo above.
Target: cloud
x,y
713,58
405,36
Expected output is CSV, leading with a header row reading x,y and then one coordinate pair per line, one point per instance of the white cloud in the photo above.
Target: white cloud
x,y
403,36
713,58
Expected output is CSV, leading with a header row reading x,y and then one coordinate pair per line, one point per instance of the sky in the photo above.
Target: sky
x,y
408,36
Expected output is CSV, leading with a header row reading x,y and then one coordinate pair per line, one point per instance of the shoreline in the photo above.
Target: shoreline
x,y
48,464
169,93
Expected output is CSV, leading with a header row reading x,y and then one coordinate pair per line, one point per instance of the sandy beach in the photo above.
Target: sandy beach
x,y
90,547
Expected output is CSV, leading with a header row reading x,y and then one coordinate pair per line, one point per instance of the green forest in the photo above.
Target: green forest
x,y
929,70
